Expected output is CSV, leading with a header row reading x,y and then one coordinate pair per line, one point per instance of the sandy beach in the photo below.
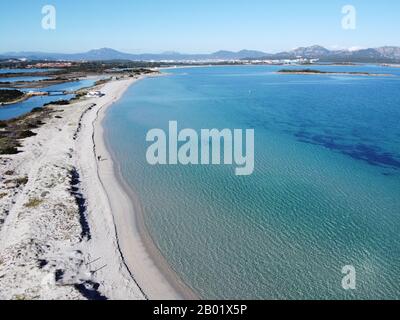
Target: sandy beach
x,y
69,227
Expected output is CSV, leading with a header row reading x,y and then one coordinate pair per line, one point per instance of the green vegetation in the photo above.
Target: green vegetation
x,y
57,103
110,66
37,109
10,95
76,71
102,81
26,134
8,146
301,71
312,71
20,128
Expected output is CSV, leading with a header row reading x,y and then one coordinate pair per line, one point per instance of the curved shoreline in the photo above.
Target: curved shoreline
x,y
140,254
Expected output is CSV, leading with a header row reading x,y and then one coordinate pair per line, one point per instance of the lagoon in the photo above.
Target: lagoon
x,y
2,71
18,109
15,79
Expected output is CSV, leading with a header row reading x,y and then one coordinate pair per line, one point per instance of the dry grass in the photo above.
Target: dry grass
x,y
34,203
18,182
21,181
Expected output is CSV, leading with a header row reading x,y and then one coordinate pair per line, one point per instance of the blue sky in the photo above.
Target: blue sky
x,y
190,26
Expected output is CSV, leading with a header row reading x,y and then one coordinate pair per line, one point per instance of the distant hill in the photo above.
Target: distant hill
x,y
381,55
111,54
244,54
371,55
313,52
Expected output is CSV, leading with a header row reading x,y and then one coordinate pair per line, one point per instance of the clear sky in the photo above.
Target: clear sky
x,y
192,26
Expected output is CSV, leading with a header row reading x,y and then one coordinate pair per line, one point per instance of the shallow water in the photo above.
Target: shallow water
x,y
15,79
25,70
325,192
18,109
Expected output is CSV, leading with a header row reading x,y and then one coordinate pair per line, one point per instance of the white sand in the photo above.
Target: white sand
x,y
42,252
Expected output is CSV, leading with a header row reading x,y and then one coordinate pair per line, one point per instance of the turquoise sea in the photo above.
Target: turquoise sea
x,y
325,192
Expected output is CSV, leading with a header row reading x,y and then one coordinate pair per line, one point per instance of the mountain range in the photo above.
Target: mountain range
x,y
382,55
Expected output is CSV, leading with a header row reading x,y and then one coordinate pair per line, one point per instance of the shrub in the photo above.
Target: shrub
x,y
34,203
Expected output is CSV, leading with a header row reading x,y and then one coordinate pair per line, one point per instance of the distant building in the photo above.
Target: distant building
x,y
94,94
63,64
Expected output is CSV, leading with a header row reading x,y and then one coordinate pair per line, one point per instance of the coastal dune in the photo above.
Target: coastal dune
x,y
69,227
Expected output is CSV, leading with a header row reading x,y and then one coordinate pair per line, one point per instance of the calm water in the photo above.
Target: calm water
x,y
18,109
25,70
325,192
15,79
